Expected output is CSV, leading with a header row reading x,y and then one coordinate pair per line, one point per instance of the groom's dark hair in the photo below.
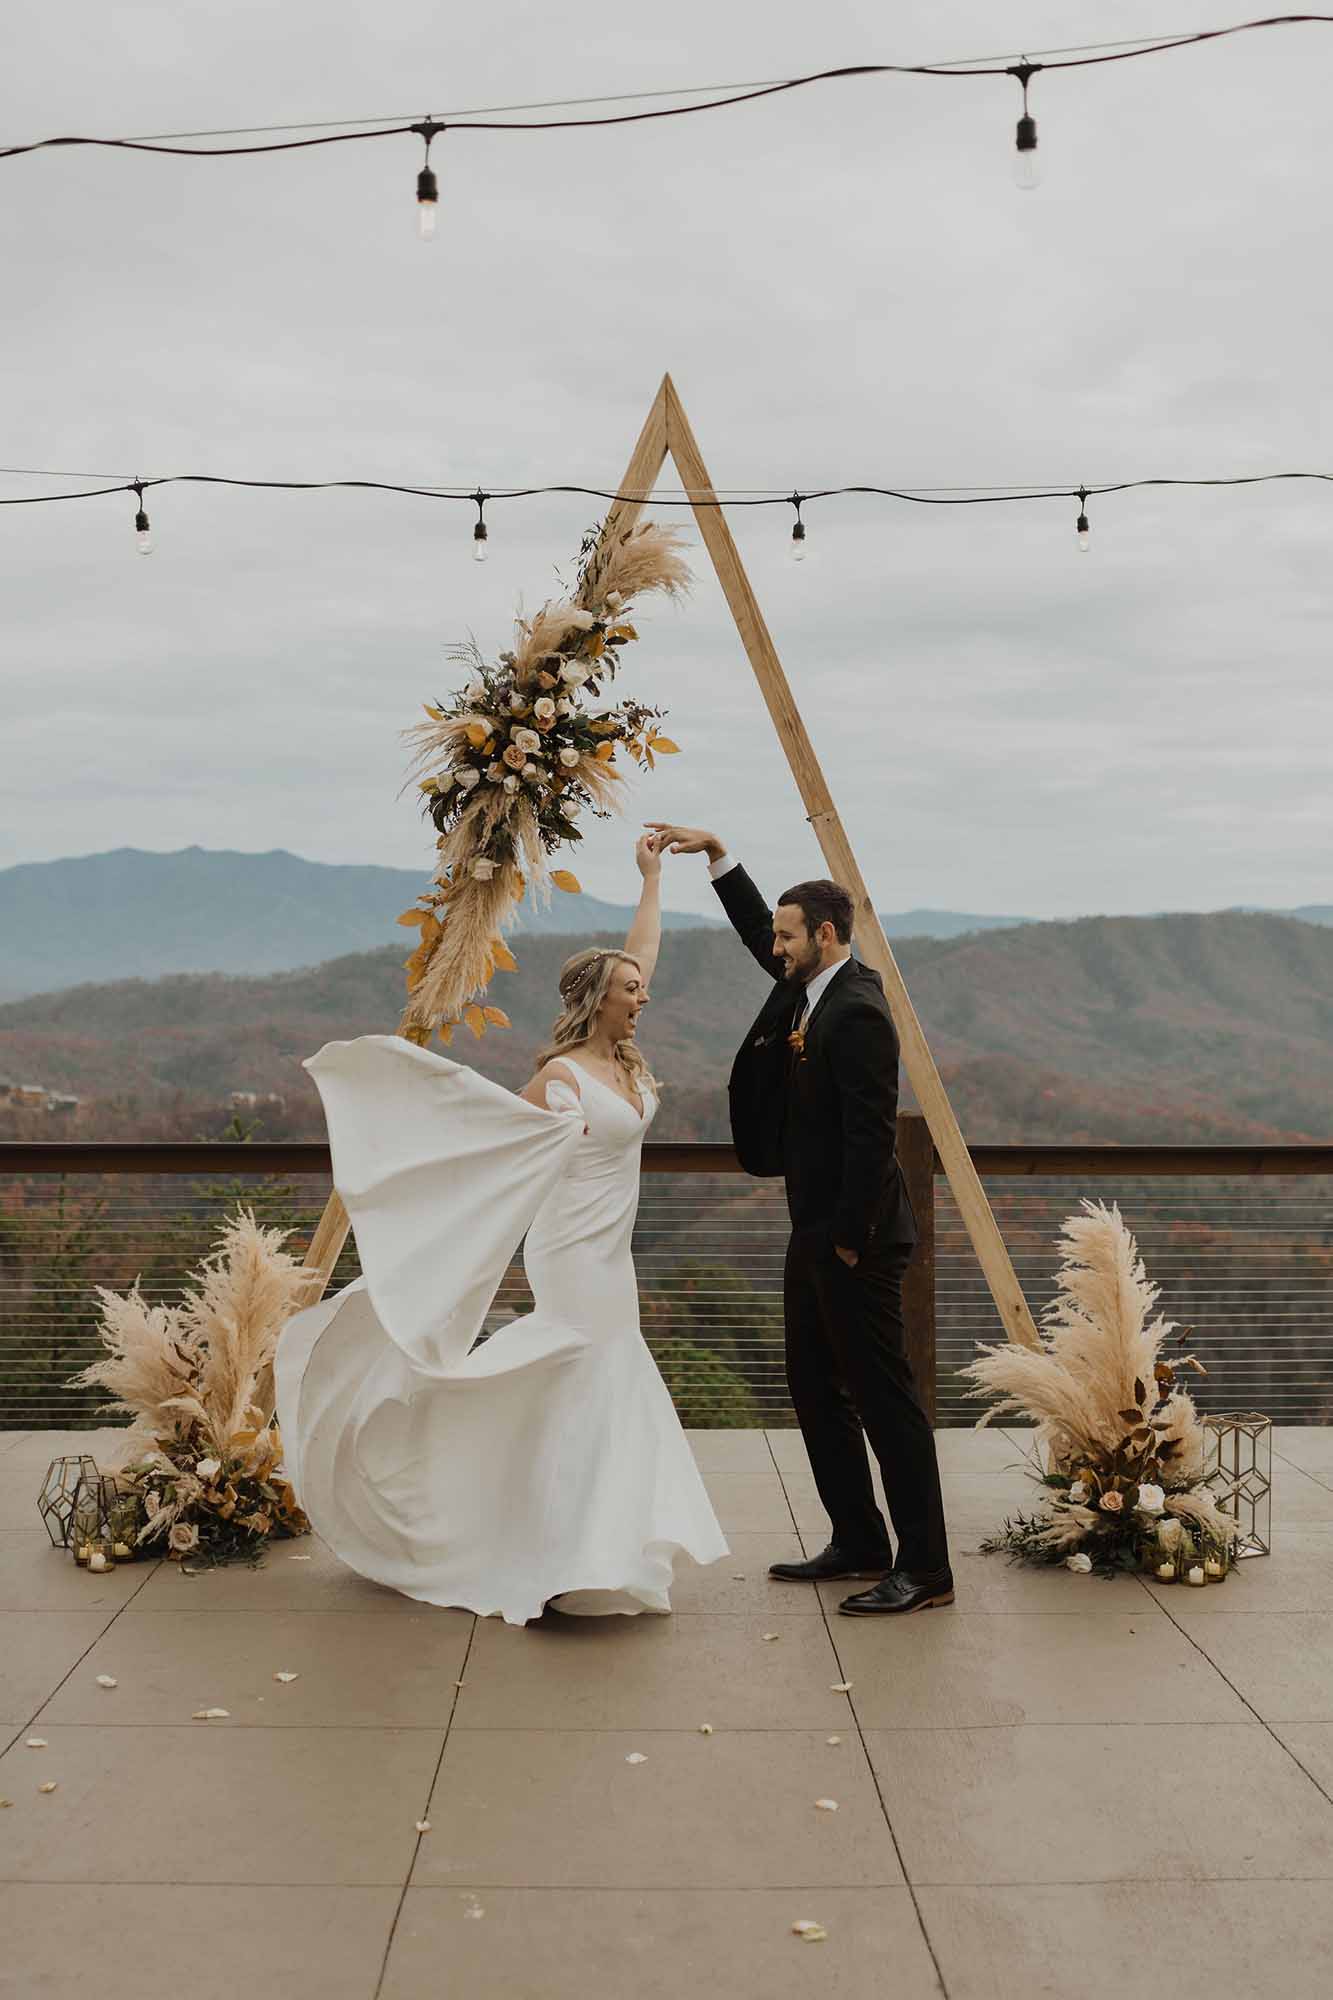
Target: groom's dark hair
x,y
822,903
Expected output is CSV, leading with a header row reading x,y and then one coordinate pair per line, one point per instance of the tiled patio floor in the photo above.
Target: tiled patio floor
x,y
1058,1786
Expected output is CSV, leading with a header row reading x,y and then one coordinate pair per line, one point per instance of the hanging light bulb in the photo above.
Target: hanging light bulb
x,y
797,532
1081,528
428,188
1027,160
142,533
480,550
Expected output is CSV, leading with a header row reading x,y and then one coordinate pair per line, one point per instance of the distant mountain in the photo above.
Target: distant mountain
x,y
1110,1030
131,914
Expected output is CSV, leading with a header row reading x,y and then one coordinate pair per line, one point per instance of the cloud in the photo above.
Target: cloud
x,y
846,287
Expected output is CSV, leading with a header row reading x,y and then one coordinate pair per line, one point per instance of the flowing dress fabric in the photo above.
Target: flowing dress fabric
x,y
546,1463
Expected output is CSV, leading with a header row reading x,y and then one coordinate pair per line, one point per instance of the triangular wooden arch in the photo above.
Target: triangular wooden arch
x,y
666,434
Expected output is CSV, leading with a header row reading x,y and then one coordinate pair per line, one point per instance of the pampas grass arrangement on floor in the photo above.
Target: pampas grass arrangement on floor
x,y
198,1456
1122,1437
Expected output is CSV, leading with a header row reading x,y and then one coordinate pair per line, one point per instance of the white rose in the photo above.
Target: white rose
x,y
495,772
1151,1500
1078,1492
183,1537
563,708
511,783
208,1468
517,705
476,693
582,620
613,598
445,780
572,674
527,739
544,708
468,779
530,771
1080,1564
569,757
151,1502
483,869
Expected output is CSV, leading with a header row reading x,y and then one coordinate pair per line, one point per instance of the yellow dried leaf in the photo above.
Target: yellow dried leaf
x,y
435,714
622,632
428,785
810,1933
605,752
503,957
475,1019
562,879
477,733
497,1017
665,746
411,918
446,1033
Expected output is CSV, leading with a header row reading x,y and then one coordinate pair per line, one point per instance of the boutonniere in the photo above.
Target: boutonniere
x,y
796,1042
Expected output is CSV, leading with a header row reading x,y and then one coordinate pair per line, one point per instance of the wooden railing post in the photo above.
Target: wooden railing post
x,y
916,1157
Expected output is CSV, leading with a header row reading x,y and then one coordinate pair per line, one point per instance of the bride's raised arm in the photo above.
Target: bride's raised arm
x,y
644,940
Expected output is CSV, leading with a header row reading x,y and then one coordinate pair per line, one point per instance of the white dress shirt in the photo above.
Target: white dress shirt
x,y
814,990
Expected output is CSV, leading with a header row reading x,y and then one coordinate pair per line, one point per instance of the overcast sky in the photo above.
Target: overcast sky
x,y
845,285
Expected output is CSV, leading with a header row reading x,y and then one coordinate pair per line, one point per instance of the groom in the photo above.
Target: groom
x,y
814,1097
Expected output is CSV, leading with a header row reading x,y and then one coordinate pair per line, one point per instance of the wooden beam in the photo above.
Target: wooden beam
x,y
917,1060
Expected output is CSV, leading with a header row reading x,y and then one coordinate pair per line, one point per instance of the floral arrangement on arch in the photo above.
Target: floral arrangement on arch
x,y
1123,1437
203,1465
510,762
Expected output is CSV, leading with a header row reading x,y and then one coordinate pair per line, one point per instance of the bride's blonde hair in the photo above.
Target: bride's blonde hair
x,y
585,981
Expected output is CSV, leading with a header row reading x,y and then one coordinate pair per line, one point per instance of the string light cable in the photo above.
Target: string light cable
x,y
706,98
481,498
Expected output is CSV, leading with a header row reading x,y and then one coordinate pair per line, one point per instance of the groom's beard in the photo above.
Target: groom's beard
x,y
800,971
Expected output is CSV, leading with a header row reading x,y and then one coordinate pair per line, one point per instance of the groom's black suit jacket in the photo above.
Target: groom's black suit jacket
x,y
825,1118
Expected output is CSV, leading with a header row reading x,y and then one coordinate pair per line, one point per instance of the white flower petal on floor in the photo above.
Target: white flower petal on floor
x,y
809,1932
106,1681
636,1757
826,1805
36,1743
285,1678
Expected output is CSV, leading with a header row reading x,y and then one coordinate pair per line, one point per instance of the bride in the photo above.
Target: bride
x,y
545,1464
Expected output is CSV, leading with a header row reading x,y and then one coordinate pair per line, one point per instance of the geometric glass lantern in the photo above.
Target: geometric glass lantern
x,y
55,1502
1238,1467
91,1533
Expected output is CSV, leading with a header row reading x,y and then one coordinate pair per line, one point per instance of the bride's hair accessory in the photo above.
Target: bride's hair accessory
x,y
573,982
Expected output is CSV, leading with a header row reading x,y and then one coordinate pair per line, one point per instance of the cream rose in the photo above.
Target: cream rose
x,y
1112,1503
544,708
1080,1564
468,779
572,674
511,783
583,621
569,757
1151,1500
528,740
183,1537
208,1468
514,757
1078,1492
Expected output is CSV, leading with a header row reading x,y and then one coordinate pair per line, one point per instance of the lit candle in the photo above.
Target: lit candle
x,y
121,1551
1214,1570
1166,1572
97,1560
1196,1574
84,1552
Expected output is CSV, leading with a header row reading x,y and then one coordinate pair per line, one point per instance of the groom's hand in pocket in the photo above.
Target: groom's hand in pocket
x,y
849,1257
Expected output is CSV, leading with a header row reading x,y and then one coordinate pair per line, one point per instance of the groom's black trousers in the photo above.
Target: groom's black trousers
x,y
847,1370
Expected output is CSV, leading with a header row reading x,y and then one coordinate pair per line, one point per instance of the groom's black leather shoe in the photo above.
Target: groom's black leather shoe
x,y
902,1590
830,1564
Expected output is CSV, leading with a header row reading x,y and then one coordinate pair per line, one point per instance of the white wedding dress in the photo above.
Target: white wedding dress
x,y
546,1463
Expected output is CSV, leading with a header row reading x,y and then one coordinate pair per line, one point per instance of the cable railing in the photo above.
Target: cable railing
x,y
1240,1240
